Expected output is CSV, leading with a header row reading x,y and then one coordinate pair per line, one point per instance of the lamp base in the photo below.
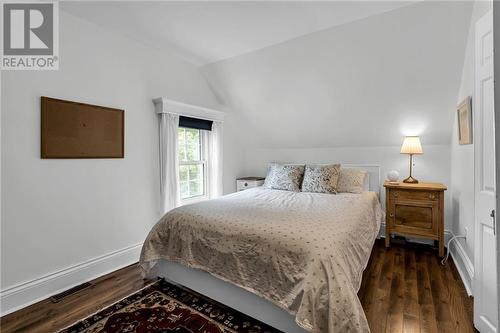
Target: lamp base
x,y
410,180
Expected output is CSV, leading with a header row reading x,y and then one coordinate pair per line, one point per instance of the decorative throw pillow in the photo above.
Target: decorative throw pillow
x,y
351,180
284,176
321,178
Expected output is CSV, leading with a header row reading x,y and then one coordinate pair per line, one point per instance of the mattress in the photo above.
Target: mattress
x,y
304,252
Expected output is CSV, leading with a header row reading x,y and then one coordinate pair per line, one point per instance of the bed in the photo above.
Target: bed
x,y
291,259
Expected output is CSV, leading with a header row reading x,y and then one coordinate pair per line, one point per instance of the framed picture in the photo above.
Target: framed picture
x,y
464,114
79,130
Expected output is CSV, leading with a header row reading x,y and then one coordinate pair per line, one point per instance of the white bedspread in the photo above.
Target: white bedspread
x,y
305,252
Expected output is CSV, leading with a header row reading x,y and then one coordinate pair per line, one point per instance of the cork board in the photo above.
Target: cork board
x,y
78,130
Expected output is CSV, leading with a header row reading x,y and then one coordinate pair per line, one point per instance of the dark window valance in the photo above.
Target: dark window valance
x,y
195,123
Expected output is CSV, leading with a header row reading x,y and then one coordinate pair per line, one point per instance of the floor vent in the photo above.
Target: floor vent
x,y
60,296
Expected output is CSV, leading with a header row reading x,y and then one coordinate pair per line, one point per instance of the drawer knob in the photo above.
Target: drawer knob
x,y
246,184
432,196
391,214
396,194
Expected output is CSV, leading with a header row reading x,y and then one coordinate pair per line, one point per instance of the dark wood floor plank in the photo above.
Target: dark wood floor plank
x,y
411,307
367,293
404,289
457,298
411,324
45,316
397,289
426,305
382,294
440,296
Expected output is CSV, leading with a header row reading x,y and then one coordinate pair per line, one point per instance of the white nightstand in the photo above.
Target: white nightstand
x,y
248,182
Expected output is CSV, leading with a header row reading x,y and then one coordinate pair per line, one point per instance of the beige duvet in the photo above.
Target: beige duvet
x,y
305,252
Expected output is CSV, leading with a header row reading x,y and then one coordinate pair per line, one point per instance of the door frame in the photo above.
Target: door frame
x,y
496,70
485,199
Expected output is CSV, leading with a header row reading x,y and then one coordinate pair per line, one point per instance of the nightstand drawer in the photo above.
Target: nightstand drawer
x,y
243,184
415,195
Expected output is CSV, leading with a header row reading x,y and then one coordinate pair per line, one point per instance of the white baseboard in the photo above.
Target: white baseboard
x,y
464,265
26,293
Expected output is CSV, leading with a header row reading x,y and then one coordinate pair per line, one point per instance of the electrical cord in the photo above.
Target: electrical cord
x,y
448,246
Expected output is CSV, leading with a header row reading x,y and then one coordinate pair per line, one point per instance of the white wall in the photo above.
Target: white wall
x,y
59,213
350,93
234,153
365,83
462,156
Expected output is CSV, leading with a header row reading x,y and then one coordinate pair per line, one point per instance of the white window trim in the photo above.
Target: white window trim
x,y
165,105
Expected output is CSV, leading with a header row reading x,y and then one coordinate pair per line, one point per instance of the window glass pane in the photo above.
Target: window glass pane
x,y
182,144
195,188
189,144
183,173
191,180
184,190
193,144
194,172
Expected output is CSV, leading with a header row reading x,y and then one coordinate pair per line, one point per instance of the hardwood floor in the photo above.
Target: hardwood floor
x,y
46,316
404,289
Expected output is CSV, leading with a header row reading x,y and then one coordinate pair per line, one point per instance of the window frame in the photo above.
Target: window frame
x,y
203,161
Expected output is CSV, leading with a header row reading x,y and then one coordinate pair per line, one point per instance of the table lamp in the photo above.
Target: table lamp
x,y
411,146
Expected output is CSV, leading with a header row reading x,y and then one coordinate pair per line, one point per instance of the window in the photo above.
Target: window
x,y
192,164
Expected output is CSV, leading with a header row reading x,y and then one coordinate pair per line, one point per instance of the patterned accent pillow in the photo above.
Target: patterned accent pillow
x,y
351,180
321,178
284,177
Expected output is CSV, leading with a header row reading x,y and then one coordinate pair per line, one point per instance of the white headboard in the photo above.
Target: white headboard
x,y
374,178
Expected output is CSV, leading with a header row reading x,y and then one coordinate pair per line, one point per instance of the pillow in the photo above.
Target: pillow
x,y
321,178
284,176
351,180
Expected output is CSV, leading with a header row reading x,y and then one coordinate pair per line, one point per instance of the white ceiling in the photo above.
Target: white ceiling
x,y
205,32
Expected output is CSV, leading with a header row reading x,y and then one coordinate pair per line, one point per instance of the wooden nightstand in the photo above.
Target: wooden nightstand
x,y
415,210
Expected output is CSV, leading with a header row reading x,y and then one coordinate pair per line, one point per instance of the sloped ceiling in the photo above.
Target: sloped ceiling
x,y
364,83
209,31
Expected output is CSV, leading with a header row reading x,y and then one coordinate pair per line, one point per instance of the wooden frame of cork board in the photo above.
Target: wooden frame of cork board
x,y
79,130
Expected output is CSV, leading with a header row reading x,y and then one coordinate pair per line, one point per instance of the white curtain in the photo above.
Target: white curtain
x,y
215,160
169,162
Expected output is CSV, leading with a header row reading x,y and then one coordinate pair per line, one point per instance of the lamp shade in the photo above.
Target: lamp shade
x,y
411,145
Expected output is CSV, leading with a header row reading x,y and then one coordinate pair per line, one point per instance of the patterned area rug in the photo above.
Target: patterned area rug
x,y
162,308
